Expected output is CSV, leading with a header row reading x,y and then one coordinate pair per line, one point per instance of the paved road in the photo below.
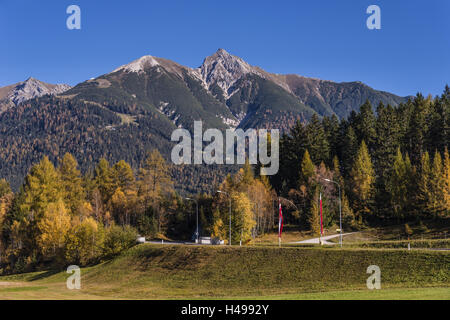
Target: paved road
x,y
317,240
171,242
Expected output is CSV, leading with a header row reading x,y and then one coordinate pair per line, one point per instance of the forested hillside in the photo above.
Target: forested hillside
x,y
391,164
123,114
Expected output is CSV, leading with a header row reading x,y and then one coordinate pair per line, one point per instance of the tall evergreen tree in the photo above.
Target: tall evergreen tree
x,y
317,141
438,119
423,198
293,147
437,184
122,176
313,217
349,151
416,136
71,181
331,127
104,180
365,125
154,178
363,180
399,185
42,186
307,171
387,140
446,178
348,216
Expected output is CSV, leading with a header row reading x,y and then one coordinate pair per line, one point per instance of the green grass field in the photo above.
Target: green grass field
x,y
383,294
192,272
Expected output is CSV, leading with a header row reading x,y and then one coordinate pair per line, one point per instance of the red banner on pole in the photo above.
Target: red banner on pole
x,y
280,220
321,216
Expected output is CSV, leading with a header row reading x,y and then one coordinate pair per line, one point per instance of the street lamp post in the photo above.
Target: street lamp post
x,y
230,209
340,209
196,203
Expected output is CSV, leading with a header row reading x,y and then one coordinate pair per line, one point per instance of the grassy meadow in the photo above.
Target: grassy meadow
x,y
201,272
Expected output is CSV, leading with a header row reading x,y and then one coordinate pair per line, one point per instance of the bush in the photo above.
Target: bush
x,y
118,239
84,243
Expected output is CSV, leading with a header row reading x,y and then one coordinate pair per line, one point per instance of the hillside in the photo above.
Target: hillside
x,y
52,126
157,272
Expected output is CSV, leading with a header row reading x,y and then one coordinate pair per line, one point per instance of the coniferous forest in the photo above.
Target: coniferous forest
x,y
391,163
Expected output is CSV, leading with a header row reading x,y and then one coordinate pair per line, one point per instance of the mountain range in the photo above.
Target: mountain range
x,y
124,113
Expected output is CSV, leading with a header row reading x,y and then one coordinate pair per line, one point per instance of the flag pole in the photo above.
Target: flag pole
x,y
321,220
280,222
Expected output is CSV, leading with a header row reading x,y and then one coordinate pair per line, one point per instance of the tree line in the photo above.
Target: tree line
x,y
60,216
392,164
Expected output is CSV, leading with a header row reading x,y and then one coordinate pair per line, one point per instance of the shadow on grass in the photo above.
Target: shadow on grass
x,y
44,275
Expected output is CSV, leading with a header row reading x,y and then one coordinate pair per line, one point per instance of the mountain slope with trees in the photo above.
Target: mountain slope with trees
x,y
390,172
135,108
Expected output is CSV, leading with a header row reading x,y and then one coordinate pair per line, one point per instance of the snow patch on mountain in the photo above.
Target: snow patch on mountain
x,y
139,65
233,123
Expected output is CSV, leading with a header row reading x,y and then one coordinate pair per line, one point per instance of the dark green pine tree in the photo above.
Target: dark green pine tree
x,y
438,118
364,125
424,192
416,136
292,147
403,113
399,186
386,144
317,141
445,101
331,127
387,139
349,150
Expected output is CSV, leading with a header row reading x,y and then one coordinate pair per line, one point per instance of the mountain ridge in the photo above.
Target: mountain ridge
x,y
220,72
14,94
134,108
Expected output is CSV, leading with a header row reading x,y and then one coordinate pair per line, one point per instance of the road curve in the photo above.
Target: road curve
x,y
325,240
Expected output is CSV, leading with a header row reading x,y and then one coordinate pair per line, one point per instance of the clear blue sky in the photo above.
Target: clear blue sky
x,y
321,39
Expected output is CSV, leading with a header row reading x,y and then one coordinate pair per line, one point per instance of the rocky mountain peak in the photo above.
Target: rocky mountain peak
x,y
26,90
33,88
223,69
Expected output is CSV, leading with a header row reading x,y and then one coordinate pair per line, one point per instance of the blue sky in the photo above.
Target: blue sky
x,y
325,39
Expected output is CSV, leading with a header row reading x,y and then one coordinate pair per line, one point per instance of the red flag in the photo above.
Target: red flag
x,y
321,216
280,220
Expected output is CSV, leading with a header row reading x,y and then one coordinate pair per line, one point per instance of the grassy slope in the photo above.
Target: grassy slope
x,y
431,229
155,272
389,294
